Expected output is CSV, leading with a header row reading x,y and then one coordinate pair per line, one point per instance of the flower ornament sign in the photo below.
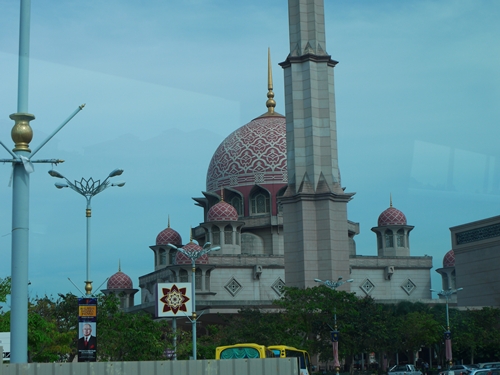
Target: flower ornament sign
x,y
173,300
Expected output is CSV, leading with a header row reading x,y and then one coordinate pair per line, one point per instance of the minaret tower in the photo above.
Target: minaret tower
x,y
314,205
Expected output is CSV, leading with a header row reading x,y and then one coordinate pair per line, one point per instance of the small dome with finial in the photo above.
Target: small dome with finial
x,y
222,211
119,280
391,216
168,235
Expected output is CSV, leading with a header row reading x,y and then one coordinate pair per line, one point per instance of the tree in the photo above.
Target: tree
x,y
53,331
310,313
417,329
5,287
131,337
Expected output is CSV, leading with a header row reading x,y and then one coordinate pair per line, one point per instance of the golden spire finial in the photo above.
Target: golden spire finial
x,y
119,266
168,221
391,199
270,103
222,194
190,234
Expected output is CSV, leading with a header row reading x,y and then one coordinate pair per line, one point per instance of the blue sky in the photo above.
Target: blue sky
x,y
165,82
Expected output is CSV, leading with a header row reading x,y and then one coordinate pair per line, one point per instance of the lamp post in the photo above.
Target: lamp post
x,y
193,254
335,333
88,188
447,334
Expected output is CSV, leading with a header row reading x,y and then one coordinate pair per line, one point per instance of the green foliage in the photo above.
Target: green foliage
x,y
131,337
311,316
253,325
5,287
53,331
418,329
302,318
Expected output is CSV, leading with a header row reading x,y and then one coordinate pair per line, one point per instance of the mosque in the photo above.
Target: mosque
x,y
274,204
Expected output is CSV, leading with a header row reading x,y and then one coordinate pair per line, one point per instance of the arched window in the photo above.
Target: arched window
x,y
163,257
207,280
198,283
228,235
215,235
401,238
379,241
171,256
183,276
236,202
389,241
260,203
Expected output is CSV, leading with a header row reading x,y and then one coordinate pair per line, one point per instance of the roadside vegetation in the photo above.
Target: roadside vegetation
x,y
303,318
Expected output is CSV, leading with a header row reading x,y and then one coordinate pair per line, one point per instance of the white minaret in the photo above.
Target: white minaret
x,y
314,205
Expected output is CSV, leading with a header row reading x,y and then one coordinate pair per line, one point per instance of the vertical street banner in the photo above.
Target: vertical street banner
x,y
173,300
87,328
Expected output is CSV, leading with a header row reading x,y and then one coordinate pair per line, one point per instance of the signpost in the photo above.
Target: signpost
x,y
87,324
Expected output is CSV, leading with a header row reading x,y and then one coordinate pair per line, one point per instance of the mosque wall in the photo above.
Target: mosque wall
x,y
404,283
257,283
477,256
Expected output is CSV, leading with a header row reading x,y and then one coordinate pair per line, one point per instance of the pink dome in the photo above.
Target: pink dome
x,y
120,281
449,259
167,236
191,247
391,216
255,153
222,211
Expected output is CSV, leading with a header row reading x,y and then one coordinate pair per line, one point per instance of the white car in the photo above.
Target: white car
x,y
404,370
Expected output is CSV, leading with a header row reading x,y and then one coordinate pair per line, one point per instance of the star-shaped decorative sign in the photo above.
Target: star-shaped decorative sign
x,y
174,299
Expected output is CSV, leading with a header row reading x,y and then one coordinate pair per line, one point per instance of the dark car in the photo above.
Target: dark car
x,y
484,371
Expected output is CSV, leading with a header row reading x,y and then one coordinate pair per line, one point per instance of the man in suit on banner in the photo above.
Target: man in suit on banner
x,y
87,341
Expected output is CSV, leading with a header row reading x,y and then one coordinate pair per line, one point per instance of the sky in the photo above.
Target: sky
x,y
164,82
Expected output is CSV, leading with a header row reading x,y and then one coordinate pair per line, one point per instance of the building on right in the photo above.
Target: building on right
x,y
476,248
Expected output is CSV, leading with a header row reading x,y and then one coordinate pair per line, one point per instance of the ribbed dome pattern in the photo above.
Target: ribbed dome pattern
x,y
449,259
391,216
120,281
222,211
167,236
254,153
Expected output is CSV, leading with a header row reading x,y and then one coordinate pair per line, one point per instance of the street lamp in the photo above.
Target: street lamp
x,y
335,333
447,334
193,254
334,284
88,188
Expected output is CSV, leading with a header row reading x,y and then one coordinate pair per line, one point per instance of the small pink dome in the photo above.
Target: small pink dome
x,y
222,211
191,247
449,259
167,236
391,216
120,281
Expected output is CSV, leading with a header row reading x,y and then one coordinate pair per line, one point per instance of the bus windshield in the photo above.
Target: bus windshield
x,y
239,351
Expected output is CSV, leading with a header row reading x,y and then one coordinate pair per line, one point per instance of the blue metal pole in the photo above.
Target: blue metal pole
x,y
193,321
88,214
21,135
24,56
20,250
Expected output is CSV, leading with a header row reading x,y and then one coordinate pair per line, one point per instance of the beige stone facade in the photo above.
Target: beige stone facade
x,y
476,247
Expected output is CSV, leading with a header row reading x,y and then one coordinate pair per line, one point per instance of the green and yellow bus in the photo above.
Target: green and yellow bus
x,y
251,350
283,351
